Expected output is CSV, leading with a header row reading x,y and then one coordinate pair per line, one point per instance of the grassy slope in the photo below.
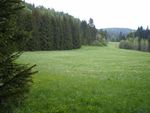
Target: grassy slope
x,y
89,80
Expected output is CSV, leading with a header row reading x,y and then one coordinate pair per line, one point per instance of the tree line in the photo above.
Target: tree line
x,y
137,40
24,27
47,29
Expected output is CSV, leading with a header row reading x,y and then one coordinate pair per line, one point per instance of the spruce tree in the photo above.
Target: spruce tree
x,y
67,34
149,43
15,78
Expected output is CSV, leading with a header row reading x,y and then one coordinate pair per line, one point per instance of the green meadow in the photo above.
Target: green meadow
x,y
89,80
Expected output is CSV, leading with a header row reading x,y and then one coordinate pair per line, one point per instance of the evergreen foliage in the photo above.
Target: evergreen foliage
x,y
138,40
51,30
88,32
101,39
15,78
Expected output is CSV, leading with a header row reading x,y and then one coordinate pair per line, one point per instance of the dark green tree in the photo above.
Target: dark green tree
x,y
84,32
140,35
56,33
23,28
91,22
67,33
75,31
35,40
92,32
149,43
47,29
88,32
121,36
15,78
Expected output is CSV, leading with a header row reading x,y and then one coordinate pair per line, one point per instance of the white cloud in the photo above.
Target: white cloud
x,y
106,13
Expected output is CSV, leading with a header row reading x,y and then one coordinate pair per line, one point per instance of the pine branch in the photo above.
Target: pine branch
x,y
23,73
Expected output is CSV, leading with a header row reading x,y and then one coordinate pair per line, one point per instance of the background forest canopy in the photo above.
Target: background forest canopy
x,y
137,40
47,29
39,28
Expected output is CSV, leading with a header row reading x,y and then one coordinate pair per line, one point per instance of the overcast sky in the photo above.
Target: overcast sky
x,y
106,13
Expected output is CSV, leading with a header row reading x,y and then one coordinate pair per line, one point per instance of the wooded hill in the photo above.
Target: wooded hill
x,y
115,34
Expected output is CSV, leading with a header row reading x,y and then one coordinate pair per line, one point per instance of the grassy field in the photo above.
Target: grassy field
x,y
89,80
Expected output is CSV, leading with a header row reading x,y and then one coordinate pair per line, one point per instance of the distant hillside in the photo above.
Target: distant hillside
x,y
118,30
113,34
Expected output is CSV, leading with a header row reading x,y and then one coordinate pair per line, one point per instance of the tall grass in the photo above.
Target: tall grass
x,y
89,80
